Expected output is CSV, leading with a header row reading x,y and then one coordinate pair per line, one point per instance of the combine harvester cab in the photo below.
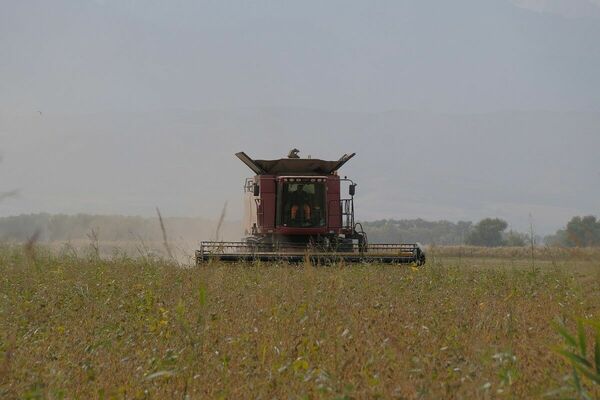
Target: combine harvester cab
x,y
295,210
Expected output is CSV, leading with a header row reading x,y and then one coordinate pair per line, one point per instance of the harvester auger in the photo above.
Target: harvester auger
x,y
294,211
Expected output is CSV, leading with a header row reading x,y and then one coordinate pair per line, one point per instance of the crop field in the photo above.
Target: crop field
x,y
467,325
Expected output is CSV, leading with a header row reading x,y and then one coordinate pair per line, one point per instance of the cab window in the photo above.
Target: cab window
x,y
301,204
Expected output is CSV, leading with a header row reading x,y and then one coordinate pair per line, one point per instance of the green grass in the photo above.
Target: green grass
x,y
76,327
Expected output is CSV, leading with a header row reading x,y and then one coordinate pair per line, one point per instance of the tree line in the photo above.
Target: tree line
x,y
579,232
490,232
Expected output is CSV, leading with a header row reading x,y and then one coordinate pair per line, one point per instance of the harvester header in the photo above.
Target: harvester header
x,y
295,209
294,166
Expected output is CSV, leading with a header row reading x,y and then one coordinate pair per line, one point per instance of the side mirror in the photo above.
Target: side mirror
x,y
352,189
256,189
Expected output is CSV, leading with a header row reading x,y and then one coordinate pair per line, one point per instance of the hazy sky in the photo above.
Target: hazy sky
x,y
461,55
91,92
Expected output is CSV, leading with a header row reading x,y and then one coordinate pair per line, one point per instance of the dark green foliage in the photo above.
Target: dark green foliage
x,y
579,232
583,232
488,232
575,351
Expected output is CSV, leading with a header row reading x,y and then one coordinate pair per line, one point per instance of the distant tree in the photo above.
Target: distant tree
x,y
417,230
579,232
515,239
558,239
583,232
488,232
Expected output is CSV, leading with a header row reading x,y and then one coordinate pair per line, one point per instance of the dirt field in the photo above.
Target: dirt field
x,y
467,325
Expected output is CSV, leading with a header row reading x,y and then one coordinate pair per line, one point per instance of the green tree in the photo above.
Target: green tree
x,y
488,232
557,239
515,239
583,232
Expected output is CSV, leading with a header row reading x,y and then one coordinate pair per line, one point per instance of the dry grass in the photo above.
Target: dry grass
x,y
80,327
520,254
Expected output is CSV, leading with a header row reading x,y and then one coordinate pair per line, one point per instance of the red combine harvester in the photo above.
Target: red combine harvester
x,y
294,210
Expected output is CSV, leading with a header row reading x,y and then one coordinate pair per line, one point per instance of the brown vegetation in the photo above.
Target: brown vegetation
x,y
82,327
519,254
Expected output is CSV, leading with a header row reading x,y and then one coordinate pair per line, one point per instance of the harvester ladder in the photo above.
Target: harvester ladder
x,y
347,212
